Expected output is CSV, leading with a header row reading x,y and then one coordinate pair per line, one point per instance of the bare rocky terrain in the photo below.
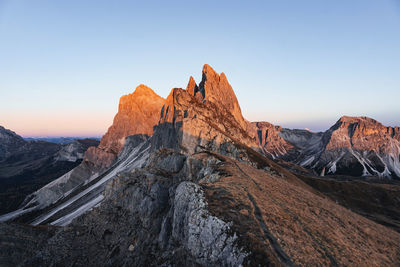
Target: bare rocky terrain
x,y
204,187
26,166
355,146
137,114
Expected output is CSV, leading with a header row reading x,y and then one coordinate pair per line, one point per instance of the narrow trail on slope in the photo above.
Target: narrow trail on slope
x,y
272,240
257,212
270,237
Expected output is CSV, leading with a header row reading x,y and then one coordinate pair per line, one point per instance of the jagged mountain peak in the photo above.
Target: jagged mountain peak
x,y
269,139
196,193
213,88
190,123
216,88
209,73
357,146
142,89
192,87
346,120
360,127
141,97
138,113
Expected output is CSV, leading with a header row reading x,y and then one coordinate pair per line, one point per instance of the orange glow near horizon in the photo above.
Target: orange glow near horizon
x,y
58,124
95,124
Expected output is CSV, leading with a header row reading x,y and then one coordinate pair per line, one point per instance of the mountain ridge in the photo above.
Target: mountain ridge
x,y
352,141
200,191
26,166
137,114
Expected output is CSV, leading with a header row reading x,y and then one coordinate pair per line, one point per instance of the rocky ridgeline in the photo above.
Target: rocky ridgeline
x,y
194,190
26,166
356,146
271,143
10,143
362,133
203,117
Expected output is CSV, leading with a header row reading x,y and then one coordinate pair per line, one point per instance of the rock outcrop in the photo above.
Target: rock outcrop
x,y
269,140
361,146
10,143
198,193
201,117
362,133
216,89
210,210
27,166
137,113
356,146
75,150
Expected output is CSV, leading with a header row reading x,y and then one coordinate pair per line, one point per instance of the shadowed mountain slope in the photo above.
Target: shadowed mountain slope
x,y
199,192
26,166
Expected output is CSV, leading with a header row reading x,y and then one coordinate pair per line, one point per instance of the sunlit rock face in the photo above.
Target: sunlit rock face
x,y
362,142
216,89
362,133
138,113
196,193
357,146
270,141
202,117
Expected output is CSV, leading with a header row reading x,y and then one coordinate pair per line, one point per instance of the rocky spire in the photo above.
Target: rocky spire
x,y
192,87
216,88
212,120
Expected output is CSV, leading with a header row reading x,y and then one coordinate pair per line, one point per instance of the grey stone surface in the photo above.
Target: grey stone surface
x,y
205,236
151,216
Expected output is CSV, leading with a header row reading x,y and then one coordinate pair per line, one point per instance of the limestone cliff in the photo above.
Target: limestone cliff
x,y
197,193
271,143
137,113
357,146
202,117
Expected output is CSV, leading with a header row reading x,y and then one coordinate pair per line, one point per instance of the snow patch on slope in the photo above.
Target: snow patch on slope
x,y
126,164
307,161
332,165
67,219
14,214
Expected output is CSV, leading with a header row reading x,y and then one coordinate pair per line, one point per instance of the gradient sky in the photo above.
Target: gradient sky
x,y
64,64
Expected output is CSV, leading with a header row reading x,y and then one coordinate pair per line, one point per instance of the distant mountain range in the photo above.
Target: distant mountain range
x,y
187,180
60,140
27,165
356,146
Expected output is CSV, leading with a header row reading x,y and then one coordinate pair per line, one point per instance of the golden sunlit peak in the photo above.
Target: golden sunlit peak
x,y
143,89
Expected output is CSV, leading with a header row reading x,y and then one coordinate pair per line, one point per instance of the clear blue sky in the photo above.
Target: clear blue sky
x,y
64,64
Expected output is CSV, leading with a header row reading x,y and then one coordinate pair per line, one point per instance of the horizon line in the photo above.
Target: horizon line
x,y
62,136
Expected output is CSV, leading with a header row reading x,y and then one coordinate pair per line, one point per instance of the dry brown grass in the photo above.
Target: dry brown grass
x,y
276,218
